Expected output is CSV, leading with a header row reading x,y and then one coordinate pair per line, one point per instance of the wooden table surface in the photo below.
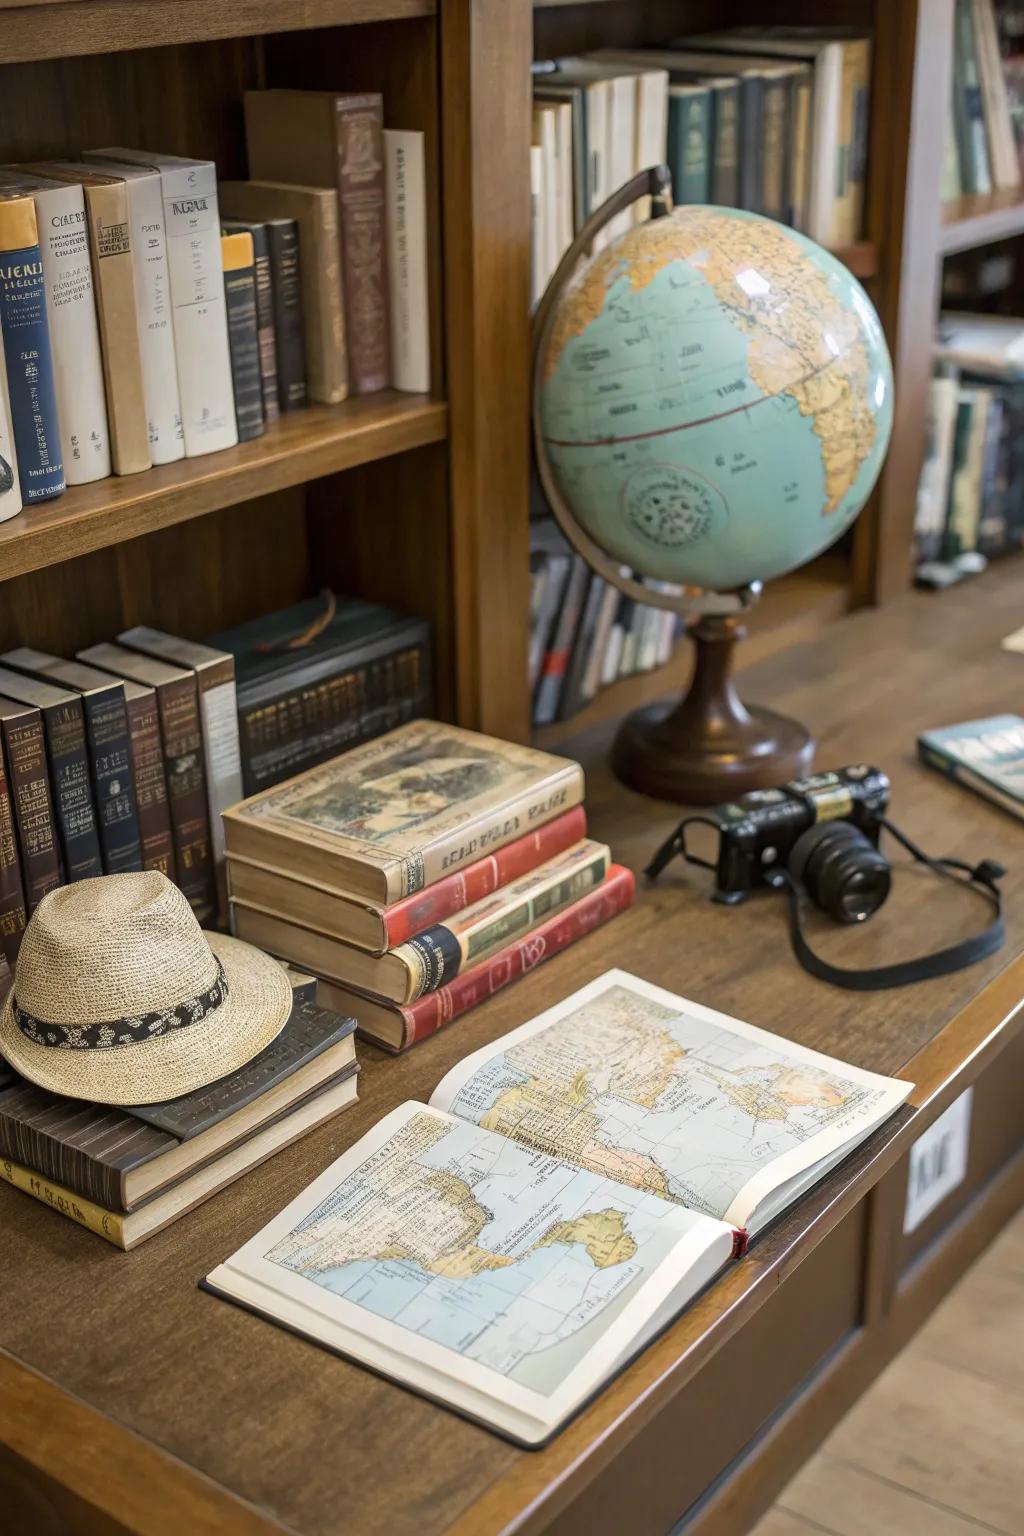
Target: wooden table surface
x,y
322,1446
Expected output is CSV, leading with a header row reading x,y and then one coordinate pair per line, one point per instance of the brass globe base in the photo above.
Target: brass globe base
x,y
710,747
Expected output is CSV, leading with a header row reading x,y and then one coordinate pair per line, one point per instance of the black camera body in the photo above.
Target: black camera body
x,y
758,830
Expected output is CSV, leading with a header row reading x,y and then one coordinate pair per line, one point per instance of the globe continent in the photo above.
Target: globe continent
x,y
715,398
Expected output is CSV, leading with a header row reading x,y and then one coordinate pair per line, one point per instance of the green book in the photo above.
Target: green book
x,y
689,142
984,755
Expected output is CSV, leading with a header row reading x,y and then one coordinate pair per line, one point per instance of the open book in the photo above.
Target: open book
x,y
508,1247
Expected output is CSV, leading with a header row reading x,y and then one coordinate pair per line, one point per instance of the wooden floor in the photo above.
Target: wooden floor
x,y
936,1446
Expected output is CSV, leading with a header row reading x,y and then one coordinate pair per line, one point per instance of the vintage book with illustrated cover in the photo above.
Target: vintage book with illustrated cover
x,y
68,759
436,956
24,328
398,813
376,928
109,742
395,1028
12,894
24,748
571,1186
243,332
984,755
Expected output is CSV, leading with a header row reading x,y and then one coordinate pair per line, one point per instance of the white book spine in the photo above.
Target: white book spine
x,y
192,225
828,77
156,324
405,190
10,486
74,333
222,755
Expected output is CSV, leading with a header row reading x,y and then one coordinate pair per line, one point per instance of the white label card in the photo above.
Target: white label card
x,y
938,1161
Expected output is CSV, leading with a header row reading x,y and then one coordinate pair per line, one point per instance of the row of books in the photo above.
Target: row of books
x,y
420,873
584,632
148,313
126,758
985,140
970,500
772,119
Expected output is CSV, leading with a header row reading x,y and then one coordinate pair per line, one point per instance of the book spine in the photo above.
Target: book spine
x,y
54,1160
688,147
409,917
10,485
64,726
155,319
265,332
114,275
775,104
106,1224
218,708
571,698
725,141
29,362
33,808
750,144
106,727
243,341
324,310
186,793
556,661
800,150
405,186
283,235
12,895
431,1013
969,778
967,104
149,778
74,334
364,240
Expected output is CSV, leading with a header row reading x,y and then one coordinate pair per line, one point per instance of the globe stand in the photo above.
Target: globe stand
x,y
709,747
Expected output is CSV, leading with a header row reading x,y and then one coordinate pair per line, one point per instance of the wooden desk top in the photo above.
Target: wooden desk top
x,y
322,1446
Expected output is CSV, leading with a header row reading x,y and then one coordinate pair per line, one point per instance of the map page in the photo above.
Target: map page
x,y
642,1087
502,1279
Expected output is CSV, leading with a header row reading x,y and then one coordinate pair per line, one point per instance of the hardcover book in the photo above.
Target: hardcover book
x,y
433,958
12,893
400,812
264,314
986,756
243,332
25,332
24,746
10,485
406,193
607,1159
286,292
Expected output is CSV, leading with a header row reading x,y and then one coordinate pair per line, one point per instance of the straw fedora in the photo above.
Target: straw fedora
x,y
120,997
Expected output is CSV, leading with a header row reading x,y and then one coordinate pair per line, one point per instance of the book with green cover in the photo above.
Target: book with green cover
x,y
986,756
689,142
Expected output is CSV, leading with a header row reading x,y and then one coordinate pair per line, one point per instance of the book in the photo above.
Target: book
x,y
986,756
71,313
316,215
325,139
319,676
590,98
398,813
405,192
571,96
144,189
218,709
12,893
24,749
968,112
435,956
243,332
551,560
556,660
689,142
192,228
933,485
1002,148
126,1231
68,761
992,345
25,331
961,533
571,697
265,333
123,1158
110,754
181,739
608,1158
286,292
376,928
10,484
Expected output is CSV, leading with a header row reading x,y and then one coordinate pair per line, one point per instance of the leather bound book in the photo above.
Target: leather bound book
x,y
21,728
110,754
149,777
243,332
265,333
286,290
68,758
182,740
12,895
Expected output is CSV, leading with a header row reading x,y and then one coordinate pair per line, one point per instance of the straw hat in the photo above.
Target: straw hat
x,y
120,997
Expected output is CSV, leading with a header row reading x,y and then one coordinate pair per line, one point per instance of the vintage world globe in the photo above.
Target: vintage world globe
x,y
714,396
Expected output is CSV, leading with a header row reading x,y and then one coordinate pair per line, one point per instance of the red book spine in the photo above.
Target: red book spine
x,y
422,909
439,1008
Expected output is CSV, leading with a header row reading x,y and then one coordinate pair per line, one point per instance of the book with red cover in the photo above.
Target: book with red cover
x,y
395,1028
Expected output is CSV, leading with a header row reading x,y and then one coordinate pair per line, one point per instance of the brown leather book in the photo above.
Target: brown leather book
x,y
324,139
21,727
150,776
12,895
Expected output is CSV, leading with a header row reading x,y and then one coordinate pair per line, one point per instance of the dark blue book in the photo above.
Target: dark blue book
x,y
26,346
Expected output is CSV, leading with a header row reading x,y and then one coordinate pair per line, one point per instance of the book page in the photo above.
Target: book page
x,y
643,1087
473,1268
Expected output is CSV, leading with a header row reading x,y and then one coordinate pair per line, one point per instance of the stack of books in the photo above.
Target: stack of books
x,y
419,874
985,139
148,314
127,1173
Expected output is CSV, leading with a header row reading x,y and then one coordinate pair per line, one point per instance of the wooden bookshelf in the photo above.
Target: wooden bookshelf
x,y
978,219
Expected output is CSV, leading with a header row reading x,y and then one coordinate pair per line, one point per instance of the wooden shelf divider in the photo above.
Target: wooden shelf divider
x,y
302,446
976,219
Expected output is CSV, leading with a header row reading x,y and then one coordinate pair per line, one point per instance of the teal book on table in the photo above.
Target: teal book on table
x,y
986,756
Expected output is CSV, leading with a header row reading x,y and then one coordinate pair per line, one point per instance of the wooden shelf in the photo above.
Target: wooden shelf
x,y
976,220
60,29
300,447
793,609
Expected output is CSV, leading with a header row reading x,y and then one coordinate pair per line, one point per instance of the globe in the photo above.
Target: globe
x,y
714,398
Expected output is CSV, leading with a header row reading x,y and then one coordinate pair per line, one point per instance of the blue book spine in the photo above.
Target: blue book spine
x,y
30,380
110,752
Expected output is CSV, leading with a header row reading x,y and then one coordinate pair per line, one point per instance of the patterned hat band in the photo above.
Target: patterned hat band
x,y
130,1031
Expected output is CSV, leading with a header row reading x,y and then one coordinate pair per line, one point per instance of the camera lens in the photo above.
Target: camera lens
x,y
841,869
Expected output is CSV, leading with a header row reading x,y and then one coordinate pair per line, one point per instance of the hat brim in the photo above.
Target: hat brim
x,y
257,1008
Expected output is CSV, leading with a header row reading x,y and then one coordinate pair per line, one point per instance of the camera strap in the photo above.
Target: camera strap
x,y
982,878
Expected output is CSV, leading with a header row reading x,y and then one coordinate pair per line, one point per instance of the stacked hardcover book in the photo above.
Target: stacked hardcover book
x,y
128,1173
419,874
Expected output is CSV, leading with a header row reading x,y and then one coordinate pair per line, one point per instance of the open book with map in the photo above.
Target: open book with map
x,y
506,1248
